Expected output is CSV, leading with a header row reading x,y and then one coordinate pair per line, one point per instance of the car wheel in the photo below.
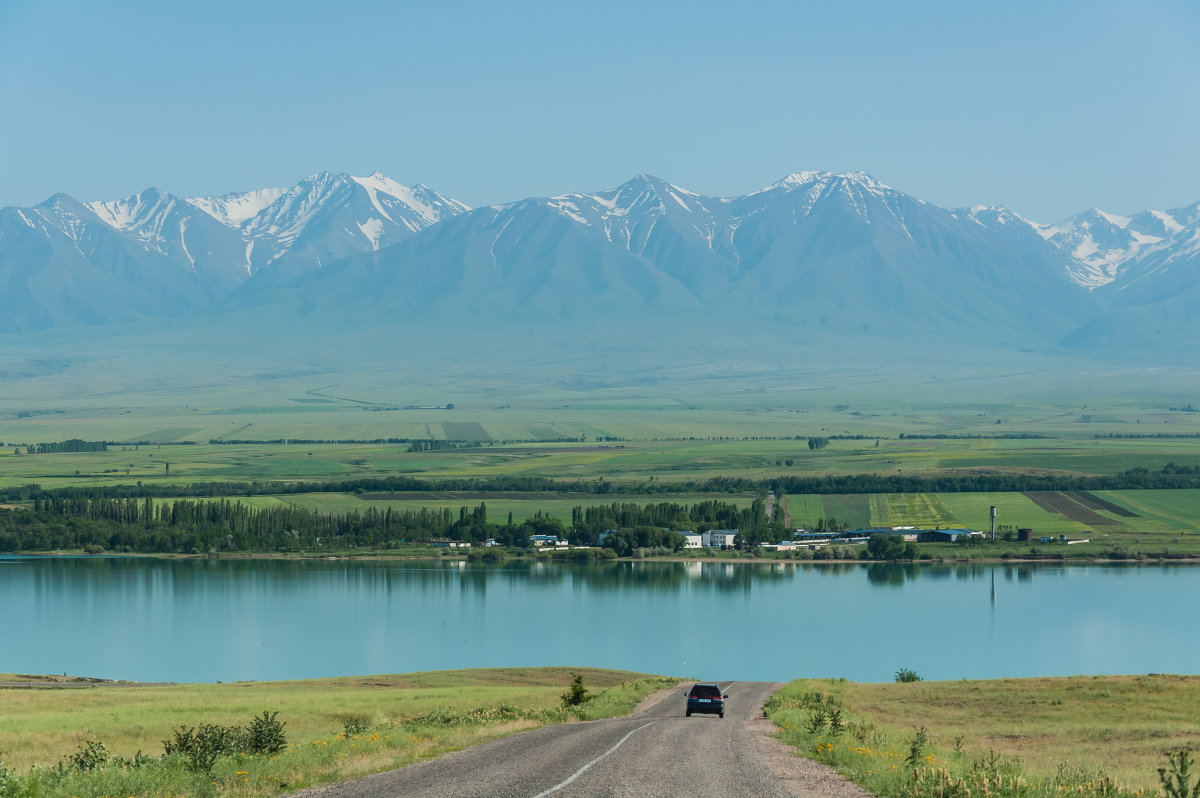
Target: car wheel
x,y
721,715
689,714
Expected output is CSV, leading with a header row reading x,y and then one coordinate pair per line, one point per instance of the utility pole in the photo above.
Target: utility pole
x,y
993,523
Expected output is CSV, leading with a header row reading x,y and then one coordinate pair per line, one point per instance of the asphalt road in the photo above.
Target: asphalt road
x,y
657,752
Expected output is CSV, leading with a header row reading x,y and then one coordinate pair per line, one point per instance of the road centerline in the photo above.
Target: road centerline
x,y
583,769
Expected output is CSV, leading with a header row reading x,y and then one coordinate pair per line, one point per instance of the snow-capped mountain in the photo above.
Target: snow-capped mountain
x,y
330,216
1099,244
1100,250
62,265
180,231
812,254
232,210
821,251
155,254
322,218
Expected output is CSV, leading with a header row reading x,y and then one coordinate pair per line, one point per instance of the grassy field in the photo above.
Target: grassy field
x,y
628,460
1062,732
401,719
498,506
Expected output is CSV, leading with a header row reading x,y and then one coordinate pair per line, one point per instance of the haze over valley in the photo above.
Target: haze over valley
x,y
639,282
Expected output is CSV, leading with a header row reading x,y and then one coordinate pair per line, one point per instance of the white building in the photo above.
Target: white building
x,y
718,538
691,540
783,545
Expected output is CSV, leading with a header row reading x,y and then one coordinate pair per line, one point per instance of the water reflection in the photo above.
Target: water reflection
x,y
203,620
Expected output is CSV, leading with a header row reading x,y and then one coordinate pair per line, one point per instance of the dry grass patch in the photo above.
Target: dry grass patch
x,y
41,725
1124,725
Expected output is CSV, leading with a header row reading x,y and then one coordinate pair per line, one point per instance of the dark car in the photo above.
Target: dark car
x,y
706,698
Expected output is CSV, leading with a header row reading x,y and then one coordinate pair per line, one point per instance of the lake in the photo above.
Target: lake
x,y
229,620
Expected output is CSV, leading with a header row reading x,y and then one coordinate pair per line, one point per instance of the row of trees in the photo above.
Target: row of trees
x,y
1170,476
188,525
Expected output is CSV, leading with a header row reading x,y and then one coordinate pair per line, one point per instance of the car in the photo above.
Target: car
x,y
706,698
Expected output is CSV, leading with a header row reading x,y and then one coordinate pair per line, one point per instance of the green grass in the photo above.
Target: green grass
x,y
1059,732
498,506
852,509
408,718
634,460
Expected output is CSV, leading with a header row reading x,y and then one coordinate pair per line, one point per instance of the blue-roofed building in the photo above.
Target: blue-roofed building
x,y
543,541
946,535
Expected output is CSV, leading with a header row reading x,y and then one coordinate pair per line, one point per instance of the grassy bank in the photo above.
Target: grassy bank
x,y
1083,735
336,729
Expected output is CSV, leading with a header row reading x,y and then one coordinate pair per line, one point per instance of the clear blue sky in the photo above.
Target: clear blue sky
x,y
1046,107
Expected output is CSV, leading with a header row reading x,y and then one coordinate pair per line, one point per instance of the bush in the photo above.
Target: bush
x,y
91,755
202,745
576,694
907,675
265,735
355,727
1175,778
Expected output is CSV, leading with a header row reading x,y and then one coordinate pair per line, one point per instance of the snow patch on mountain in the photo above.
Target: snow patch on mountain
x,y
233,210
372,228
144,215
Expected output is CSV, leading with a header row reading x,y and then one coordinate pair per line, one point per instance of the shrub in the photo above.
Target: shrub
x,y
576,694
202,745
91,755
1176,778
916,746
265,735
354,727
907,675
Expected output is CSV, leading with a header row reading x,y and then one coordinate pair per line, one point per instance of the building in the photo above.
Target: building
x,y
946,535
783,545
547,541
718,538
691,540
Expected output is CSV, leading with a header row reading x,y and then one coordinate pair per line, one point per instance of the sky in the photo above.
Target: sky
x,y
1048,108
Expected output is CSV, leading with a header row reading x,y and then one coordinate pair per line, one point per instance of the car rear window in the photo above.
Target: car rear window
x,y
706,691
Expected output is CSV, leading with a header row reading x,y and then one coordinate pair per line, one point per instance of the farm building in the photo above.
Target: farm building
x,y
783,545
946,535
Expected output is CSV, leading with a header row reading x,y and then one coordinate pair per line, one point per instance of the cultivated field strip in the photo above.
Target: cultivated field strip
x,y
1090,499
1062,503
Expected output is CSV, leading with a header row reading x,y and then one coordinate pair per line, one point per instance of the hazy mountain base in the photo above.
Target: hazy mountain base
x,y
293,372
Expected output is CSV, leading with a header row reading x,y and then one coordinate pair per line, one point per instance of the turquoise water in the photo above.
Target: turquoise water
x,y
229,620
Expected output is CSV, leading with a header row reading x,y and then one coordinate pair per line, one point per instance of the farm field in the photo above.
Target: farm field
x,y
634,434
625,461
498,505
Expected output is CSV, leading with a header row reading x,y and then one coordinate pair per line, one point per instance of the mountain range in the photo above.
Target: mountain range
x,y
816,254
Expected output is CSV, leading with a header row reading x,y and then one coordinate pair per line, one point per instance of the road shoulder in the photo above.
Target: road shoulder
x,y
799,775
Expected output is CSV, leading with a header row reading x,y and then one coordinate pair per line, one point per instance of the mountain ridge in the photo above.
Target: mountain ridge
x,y
831,253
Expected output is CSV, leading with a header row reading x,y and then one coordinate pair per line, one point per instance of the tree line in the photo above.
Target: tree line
x,y
1170,476
224,525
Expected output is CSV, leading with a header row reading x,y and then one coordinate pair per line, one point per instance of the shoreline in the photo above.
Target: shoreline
x,y
1148,560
